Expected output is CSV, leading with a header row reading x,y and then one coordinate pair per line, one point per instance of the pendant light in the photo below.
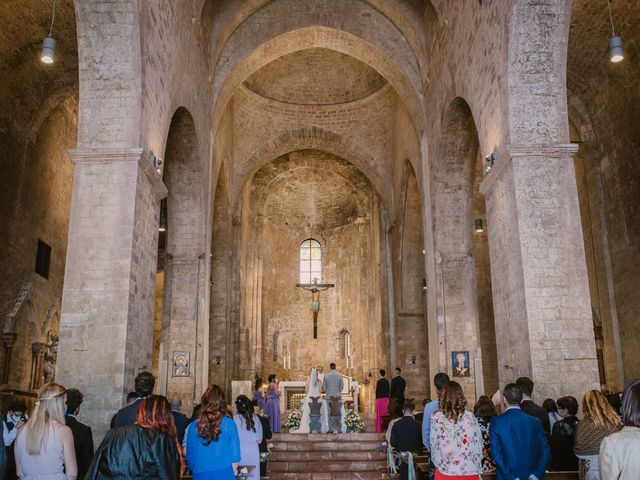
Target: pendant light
x,y
49,43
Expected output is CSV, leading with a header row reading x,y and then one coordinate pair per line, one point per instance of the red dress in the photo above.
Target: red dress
x,y
442,476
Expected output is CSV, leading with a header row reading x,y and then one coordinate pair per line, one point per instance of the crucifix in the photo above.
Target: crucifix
x,y
315,288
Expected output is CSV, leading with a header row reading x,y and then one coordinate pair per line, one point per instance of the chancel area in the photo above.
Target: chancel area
x,y
217,191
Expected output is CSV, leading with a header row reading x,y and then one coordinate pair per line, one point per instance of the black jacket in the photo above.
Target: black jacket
x,y
82,442
182,422
398,384
134,452
530,408
562,440
126,415
382,388
406,435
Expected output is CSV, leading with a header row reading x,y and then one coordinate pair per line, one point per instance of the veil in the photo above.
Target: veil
x,y
313,389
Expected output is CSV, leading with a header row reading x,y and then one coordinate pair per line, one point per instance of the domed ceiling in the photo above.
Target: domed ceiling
x,y
316,76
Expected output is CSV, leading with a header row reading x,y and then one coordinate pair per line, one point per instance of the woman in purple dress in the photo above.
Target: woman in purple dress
x,y
272,407
257,393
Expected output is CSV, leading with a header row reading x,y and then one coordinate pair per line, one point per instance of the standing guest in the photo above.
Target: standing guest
x,y
12,422
272,407
485,410
406,438
144,384
82,437
44,447
530,408
620,452
599,420
518,443
439,381
212,441
396,389
563,436
266,435
382,399
456,441
148,449
250,433
552,411
258,396
179,418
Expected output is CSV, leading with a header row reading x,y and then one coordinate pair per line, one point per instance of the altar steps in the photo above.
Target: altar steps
x,y
327,456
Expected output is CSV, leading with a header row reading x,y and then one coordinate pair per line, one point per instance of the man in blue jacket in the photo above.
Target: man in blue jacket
x,y
518,443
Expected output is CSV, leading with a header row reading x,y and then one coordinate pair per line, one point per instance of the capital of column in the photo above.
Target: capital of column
x,y
111,156
8,339
550,151
39,348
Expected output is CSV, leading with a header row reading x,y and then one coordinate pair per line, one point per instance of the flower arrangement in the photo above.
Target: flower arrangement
x,y
354,422
264,456
292,423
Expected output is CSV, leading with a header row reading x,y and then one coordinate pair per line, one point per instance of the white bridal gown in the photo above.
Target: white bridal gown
x,y
314,388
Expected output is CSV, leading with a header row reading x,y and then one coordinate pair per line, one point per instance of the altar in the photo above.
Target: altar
x,y
292,393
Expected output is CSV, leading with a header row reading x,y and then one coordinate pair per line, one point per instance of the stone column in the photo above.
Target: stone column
x,y
185,300
106,327
8,339
38,349
538,271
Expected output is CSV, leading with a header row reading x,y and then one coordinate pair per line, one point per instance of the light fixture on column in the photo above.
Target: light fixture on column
x,y
479,225
156,162
49,43
489,162
616,53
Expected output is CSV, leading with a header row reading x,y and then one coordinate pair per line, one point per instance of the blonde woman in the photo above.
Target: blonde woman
x,y
44,447
598,421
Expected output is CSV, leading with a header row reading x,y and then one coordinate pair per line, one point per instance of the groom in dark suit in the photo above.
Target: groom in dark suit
x,y
518,442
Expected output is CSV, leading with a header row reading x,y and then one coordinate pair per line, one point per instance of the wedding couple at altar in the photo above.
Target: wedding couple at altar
x,y
323,415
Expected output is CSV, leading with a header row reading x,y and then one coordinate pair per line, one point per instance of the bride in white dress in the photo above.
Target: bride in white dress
x,y
314,390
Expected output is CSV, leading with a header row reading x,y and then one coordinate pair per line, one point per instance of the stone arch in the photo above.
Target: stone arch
x,y
228,77
537,66
24,325
311,138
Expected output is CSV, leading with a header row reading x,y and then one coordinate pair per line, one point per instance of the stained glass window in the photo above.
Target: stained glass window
x,y
310,261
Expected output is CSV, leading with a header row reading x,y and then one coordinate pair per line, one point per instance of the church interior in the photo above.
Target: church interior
x,y
441,177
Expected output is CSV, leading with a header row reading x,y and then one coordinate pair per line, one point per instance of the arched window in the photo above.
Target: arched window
x,y
310,261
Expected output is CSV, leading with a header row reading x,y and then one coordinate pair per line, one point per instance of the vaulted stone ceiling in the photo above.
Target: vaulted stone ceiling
x,y
26,84
316,76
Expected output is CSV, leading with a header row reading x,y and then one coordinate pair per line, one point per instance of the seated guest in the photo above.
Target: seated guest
x,y
250,434
552,411
406,438
420,415
144,384
484,410
563,435
518,443
147,449
179,418
599,420
212,441
530,408
456,441
620,452
398,413
44,446
82,437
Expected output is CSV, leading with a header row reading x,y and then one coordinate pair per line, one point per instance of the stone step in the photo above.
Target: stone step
x,y
332,466
325,455
333,437
321,446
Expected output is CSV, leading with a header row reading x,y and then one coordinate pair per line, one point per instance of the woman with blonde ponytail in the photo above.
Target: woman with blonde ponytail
x,y
44,447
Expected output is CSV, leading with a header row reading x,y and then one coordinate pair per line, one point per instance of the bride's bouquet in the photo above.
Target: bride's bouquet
x,y
353,421
292,423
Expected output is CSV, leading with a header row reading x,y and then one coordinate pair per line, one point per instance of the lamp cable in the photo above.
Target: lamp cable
x,y
613,28
53,17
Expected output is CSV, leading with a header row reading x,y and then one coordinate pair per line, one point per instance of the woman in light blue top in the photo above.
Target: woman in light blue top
x,y
250,433
212,441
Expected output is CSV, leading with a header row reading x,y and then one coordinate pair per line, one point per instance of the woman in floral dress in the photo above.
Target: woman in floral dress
x,y
456,440
484,410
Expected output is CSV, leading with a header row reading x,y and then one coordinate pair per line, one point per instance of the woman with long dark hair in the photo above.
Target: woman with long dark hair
x,y
148,449
485,410
258,396
212,442
456,441
250,433
620,452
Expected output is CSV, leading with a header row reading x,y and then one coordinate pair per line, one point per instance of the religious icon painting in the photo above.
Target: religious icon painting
x,y
460,364
181,364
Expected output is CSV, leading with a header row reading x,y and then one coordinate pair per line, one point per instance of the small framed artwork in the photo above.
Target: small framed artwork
x,y
460,364
181,364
